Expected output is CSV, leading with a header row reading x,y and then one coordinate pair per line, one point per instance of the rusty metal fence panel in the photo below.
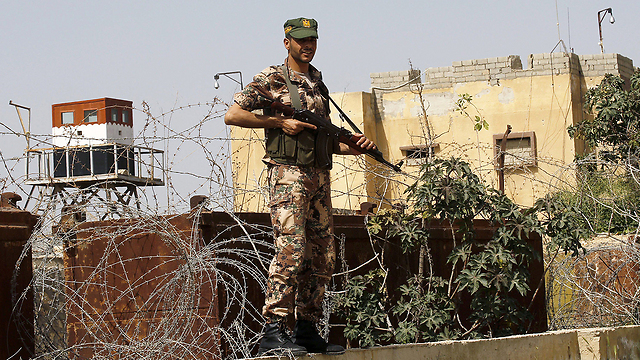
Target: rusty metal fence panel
x,y
16,325
130,288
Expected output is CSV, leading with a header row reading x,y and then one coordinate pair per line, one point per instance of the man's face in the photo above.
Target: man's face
x,y
301,50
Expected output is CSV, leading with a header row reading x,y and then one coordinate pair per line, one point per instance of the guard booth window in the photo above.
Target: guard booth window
x,y
114,115
91,116
67,118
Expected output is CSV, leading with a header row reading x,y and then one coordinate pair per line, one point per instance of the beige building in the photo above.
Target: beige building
x,y
410,114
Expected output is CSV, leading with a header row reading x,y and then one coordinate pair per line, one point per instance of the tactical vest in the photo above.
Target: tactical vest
x,y
307,148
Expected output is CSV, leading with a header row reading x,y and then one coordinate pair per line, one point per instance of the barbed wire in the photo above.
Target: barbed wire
x,y
136,279
598,288
139,279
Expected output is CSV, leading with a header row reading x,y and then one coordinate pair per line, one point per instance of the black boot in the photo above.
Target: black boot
x,y
276,341
305,334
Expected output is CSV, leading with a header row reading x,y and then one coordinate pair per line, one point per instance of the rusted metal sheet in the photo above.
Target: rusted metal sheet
x,y
115,268
130,288
16,328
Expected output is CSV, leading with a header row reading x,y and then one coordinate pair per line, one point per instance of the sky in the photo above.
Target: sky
x,y
166,52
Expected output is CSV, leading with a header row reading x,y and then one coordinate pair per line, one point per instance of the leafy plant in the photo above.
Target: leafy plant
x,y
491,273
462,105
615,124
607,192
363,307
424,311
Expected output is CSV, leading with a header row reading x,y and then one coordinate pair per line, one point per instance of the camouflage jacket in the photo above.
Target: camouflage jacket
x,y
272,80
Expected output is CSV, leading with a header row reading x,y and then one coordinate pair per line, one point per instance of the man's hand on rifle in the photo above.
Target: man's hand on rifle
x,y
239,117
362,141
291,126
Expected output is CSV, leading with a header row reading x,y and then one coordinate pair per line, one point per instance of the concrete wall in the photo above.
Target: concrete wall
x,y
248,171
501,97
584,344
510,67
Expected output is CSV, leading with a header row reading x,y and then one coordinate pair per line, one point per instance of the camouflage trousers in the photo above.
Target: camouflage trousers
x,y
305,249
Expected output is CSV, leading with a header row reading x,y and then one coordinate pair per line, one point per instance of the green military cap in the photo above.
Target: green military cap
x,y
301,28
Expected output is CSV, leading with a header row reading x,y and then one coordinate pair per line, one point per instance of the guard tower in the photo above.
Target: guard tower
x,y
92,122
93,156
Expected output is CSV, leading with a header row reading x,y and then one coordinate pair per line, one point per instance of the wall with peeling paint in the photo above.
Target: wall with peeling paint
x,y
545,99
527,104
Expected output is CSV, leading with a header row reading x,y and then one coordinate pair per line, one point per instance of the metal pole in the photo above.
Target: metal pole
x,y
503,148
600,31
216,77
601,14
27,129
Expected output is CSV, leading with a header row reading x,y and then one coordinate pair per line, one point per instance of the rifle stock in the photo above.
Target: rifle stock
x,y
341,134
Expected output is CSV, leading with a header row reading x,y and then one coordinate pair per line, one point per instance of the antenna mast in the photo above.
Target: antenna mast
x,y
26,130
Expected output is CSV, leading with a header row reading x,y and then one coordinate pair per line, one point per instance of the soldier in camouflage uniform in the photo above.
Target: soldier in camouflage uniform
x,y
300,194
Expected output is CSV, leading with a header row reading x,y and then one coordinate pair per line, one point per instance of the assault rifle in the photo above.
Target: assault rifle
x,y
339,133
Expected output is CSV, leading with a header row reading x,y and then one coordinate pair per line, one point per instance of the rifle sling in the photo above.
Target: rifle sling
x,y
293,89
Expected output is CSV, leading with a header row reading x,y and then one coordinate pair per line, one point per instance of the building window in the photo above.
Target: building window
x,y
126,116
67,118
114,114
417,154
520,150
91,116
